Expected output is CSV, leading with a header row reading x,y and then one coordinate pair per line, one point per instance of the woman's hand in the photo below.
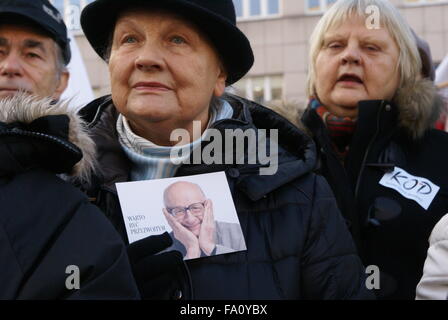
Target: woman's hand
x,y
207,233
185,236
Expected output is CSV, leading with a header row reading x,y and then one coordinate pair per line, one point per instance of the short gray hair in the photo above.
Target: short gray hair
x,y
409,63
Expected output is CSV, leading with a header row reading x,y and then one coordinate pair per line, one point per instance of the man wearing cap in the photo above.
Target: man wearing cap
x,y
34,49
169,64
54,244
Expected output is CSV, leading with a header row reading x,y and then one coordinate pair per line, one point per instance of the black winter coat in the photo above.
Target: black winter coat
x,y
298,246
391,230
46,224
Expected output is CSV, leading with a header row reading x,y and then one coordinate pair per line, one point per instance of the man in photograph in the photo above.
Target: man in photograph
x,y
195,232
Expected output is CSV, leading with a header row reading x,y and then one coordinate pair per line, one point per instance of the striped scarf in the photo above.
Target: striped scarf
x,y
150,161
340,129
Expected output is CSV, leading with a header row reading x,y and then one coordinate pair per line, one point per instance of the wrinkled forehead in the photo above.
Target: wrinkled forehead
x,y
140,16
339,20
164,17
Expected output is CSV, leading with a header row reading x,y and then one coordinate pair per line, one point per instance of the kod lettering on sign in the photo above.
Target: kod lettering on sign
x,y
419,189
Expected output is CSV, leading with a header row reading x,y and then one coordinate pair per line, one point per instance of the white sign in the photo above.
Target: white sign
x,y
79,90
419,189
197,211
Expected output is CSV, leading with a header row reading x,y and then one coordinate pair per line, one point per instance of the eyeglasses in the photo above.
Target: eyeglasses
x,y
195,209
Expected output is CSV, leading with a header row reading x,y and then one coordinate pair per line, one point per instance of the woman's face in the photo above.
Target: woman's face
x,y
162,70
354,64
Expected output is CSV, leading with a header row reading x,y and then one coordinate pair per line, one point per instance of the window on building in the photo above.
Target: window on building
x,y
273,7
317,6
276,84
260,9
255,8
238,7
71,11
59,4
423,2
258,90
75,3
263,90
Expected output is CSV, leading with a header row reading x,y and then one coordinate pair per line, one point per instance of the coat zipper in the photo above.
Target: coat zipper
x,y
363,165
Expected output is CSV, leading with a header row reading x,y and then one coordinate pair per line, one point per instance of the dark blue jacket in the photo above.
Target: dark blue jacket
x,y
47,225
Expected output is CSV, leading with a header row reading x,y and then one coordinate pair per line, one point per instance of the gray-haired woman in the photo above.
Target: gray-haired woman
x,y
169,63
371,114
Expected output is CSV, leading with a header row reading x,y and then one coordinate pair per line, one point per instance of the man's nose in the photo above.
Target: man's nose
x,y
11,66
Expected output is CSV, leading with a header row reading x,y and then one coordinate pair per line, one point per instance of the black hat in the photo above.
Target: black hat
x,y
43,14
215,18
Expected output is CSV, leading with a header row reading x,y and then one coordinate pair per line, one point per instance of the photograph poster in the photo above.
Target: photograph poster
x,y
197,211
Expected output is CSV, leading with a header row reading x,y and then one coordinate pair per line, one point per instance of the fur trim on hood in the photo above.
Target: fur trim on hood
x,y
25,109
420,106
290,111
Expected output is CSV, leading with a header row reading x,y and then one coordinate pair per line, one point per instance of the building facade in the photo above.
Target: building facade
x,y
279,31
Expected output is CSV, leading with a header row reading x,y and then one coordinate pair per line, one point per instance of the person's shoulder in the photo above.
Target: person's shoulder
x,y
230,234
50,181
41,193
222,225
440,231
91,111
427,148
283,117
432,140
430,147
39,207
440,135
311,185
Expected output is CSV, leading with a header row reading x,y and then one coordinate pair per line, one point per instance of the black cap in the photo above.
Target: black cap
x,y
215,18
44,14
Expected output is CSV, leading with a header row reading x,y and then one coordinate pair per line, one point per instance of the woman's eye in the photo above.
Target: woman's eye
x,y
178,40
334,45
372,48
129,39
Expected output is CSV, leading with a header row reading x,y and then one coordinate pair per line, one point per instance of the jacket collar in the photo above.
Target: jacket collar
x,y
101,117
38,133
376,125
415,109
296,154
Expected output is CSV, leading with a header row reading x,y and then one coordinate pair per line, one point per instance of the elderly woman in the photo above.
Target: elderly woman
x,y
371,114
169,63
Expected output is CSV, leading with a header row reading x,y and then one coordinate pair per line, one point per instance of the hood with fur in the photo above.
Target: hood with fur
x,y
57,126
420,106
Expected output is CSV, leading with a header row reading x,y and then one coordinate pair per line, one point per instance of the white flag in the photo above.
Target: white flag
x,y
79,88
